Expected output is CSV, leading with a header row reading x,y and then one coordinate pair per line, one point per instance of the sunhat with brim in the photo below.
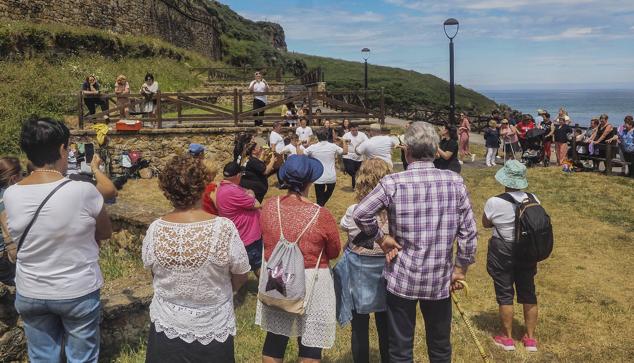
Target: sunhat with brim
x,y
196,149
540,111
512,175
299,170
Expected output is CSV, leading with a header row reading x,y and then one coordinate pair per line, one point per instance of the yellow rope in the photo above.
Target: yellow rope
x,y
483,354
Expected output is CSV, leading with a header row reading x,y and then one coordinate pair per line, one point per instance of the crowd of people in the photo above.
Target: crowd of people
x,y
93,96
399,252
532,140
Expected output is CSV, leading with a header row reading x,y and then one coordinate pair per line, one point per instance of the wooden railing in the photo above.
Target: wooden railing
x,y
174,109
439,117
610,152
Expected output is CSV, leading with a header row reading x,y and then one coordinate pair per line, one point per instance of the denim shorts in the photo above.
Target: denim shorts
x,y
254,251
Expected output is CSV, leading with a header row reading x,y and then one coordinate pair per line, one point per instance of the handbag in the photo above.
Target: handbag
x,y
37,213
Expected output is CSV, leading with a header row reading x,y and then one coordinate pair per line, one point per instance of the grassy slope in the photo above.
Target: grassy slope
x,y
402,87
40,72
583,289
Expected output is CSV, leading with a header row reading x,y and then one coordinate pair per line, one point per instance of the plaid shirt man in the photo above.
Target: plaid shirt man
x,y
428,209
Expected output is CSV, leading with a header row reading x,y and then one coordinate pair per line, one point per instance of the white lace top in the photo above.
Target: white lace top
x,y
192,265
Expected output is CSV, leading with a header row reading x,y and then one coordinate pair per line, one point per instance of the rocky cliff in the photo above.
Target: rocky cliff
x,y
191,24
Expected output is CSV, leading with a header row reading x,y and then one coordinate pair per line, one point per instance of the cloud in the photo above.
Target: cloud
x,y
569,33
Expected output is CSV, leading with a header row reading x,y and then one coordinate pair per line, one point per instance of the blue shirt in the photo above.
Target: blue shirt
x,y
627,140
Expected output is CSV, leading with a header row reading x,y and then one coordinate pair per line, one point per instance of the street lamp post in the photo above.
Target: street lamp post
x,y
451,27
366,55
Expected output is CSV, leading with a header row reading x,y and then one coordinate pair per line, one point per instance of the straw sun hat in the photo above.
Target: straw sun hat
x,y
512,175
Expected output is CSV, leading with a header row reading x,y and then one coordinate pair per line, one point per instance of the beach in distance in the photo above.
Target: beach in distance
x,y
582,105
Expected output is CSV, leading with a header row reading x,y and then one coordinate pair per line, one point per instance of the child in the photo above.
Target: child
x,y
492,142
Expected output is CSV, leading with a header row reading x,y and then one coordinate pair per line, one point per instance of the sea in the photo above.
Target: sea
x,y
582,105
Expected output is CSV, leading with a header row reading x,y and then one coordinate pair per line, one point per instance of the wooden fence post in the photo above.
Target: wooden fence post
x,y
382,103
179,108
158,111
310,106
80,99
608,159
235,106
240,101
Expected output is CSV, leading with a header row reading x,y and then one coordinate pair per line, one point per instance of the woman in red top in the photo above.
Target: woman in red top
x,y
209,195
315,329
523,126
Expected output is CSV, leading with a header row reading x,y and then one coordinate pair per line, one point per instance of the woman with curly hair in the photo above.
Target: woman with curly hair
x,y
359,283
197,261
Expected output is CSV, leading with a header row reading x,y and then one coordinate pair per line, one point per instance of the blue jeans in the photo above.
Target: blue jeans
x,y
49,324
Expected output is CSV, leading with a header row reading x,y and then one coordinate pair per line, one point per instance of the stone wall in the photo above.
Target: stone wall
x,y
183,23
160,145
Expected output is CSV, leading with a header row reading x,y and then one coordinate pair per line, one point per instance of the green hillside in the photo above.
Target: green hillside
x,y
403,88
42,68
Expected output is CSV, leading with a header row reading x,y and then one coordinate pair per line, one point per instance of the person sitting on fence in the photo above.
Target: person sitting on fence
x,y
259,101
509,275
600,137
91,93
289,113
304,132
149,88
122,90
581,147
359,281
197,261
344,128
378,145
625,139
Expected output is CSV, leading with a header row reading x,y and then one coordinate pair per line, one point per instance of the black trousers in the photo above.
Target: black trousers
x,y
275,347
257,104
93,102
352,167
404,160
360,341
324,192
161,349
401,317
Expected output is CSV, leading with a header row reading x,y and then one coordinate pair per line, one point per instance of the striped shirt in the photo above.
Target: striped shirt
x,y
427,210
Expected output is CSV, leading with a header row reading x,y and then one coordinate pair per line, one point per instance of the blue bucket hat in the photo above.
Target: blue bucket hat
x,y
298,170
196,149
512,175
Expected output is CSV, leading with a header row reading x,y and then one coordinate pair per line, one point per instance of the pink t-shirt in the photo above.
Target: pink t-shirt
x,y
234,203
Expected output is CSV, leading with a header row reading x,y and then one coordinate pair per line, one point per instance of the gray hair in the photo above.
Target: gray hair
x,y
421,140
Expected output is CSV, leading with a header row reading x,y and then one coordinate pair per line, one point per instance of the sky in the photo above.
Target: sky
x,y
501,44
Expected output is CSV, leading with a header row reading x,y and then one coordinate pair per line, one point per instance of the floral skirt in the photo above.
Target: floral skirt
x,y
317,326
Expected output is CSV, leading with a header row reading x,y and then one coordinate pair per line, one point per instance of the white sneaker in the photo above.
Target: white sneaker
x,y
498,157
460,161
472,157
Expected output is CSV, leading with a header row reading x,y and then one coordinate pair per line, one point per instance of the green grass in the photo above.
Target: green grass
x,y
583,288
116,263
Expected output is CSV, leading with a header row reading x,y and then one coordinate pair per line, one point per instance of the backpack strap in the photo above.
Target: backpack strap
x,y
509,198
37,213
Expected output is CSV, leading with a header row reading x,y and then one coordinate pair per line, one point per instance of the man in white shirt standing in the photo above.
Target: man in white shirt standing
x,y
326,152
258,85
304,132
352,161
378,145
276,141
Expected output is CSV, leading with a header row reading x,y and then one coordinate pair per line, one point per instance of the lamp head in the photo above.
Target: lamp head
x,y
451,27
366,53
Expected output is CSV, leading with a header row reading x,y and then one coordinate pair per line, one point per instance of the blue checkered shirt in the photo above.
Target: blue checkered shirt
x,y
428,209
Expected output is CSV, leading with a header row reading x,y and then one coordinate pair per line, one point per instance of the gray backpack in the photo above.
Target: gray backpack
x,y
282,280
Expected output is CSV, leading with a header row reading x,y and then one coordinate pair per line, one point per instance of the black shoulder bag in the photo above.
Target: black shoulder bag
x,y
37,213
